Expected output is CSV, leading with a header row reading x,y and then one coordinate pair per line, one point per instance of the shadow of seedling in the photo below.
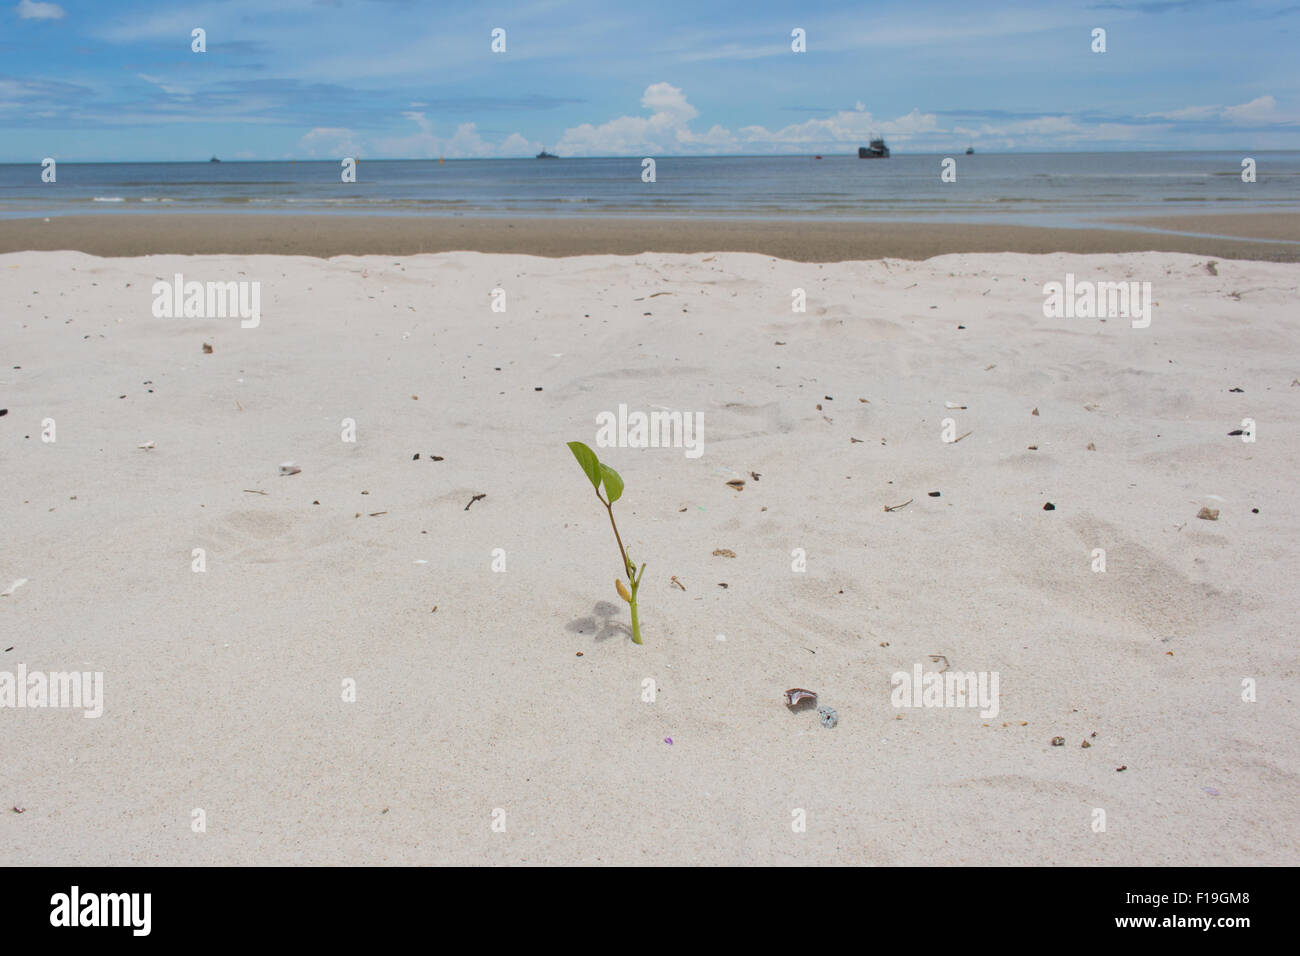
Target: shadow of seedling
x,y
603,623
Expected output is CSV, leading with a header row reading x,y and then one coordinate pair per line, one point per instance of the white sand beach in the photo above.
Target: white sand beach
x,y
516,696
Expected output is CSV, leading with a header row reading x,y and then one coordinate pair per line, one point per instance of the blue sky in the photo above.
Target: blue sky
x,y
104,80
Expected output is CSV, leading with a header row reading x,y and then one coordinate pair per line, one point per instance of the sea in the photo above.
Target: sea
x,y
1060,189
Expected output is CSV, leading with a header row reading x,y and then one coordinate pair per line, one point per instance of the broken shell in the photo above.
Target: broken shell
x,y
1058,741
289,468
147,445
1209,514
797,695
737,483
828,716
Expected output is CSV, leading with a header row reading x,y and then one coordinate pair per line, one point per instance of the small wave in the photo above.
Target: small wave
x,y
108,199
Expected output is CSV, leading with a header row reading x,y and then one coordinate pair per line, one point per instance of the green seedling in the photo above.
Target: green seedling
x,y
600,473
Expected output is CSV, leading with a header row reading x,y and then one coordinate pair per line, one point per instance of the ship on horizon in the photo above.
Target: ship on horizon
x,y
877,149
545,155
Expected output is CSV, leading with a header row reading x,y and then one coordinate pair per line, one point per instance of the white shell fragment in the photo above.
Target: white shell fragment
x,y
147,445
289,468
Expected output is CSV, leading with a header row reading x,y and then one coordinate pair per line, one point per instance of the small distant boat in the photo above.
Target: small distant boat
x,y
545,155
816,157
877,150
970,150
214,160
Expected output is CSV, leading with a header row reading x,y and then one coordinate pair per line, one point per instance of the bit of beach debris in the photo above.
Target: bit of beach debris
x,y
254,491
18,809
960,437
795,696
147,445
3,412
1209,514
474,499
1212,267
678,583
778,343
289,468
936,658
12,588
1035,412
1085,745
828,717
1091,447
737,483
1058,741
933,494
1049,507
723,553
723,584
207,349
376,514
953,405
415,457
898,507
1033,447
579,654
436,458
755,475
855,441
1236,433
1239,391
1121,768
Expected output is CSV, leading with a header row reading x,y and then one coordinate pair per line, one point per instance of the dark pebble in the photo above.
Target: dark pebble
x,y
537,389
415,457
1049,507
1254,511
934,494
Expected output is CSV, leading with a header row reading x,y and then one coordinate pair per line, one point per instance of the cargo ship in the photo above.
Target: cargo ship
x,y
877,150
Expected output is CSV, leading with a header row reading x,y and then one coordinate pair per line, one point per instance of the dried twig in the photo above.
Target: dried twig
x,y
474,499
897,507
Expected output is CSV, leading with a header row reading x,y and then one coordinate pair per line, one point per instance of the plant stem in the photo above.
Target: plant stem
x,y
628,566
636,627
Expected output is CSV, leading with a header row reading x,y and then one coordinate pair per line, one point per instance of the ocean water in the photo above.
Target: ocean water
x,y
1041,188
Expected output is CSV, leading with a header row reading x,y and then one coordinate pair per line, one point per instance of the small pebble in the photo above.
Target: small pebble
x,y
1058,741
828,716
1049,507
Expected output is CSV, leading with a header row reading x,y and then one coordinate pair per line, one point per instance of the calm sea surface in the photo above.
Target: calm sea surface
x,y
1044,188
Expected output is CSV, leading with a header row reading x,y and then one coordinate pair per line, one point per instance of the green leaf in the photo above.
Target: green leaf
x,y
588,460
613,483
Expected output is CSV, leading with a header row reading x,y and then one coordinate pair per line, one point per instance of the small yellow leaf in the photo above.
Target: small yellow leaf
x,y
622,591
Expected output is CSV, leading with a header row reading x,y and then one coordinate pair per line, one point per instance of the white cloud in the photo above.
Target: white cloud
x,y
168,88
28,10
667,131
1262,109
330,141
